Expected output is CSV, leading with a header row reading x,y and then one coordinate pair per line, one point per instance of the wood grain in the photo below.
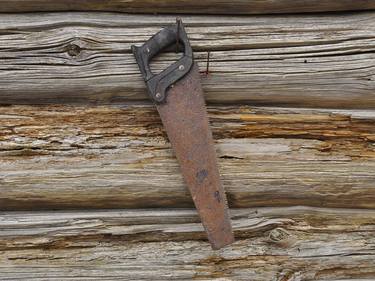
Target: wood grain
x,y
92,158
296,243
289,60
58,157
188,6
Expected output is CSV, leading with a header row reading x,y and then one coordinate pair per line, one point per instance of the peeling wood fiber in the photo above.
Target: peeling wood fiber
x,y
288,60
296,243
58,157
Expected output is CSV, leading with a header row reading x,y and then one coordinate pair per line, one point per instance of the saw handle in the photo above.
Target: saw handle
x,y
158,84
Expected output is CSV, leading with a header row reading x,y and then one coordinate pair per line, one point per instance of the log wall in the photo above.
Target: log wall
x,y
90,188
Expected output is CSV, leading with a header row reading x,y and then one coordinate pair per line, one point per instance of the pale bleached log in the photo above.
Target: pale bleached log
x,y
289,60
60,157
188,6
272,244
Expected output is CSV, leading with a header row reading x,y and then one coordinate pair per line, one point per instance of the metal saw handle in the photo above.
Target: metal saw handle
x,y
158,84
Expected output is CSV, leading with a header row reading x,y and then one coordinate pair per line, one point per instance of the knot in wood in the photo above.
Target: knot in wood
x,y
73,50
278,235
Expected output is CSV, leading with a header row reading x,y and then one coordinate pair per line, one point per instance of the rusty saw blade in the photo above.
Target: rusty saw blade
x,y
178,96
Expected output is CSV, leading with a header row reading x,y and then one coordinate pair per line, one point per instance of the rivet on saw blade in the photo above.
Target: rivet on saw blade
x,y
181,67
158,96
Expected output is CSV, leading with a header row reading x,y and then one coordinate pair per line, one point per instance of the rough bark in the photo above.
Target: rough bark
x,y
188,6
272,244
307,61
119,157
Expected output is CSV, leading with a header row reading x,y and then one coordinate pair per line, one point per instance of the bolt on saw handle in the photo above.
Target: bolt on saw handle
x,y
158,84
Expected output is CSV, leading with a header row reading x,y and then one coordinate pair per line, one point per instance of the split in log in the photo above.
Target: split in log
x,y
188,6
57,157
272,244
289,61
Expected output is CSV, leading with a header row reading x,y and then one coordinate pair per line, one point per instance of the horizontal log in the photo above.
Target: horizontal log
x,y
58,157
290,60
188,6
272,244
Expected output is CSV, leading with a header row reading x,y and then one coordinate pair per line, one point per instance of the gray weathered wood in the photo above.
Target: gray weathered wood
x,y
311,61
272,244
80,157
188,6
119,157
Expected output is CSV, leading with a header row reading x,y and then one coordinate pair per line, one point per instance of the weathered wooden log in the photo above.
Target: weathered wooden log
x,y
272,244
61,157
308,61
188,6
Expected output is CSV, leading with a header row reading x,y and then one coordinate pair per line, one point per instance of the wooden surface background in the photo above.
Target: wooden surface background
x,y
90,188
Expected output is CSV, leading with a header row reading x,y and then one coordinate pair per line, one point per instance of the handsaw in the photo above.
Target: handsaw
x,y
178,96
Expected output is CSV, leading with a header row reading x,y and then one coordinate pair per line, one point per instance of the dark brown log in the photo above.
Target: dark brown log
x,y
188,6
